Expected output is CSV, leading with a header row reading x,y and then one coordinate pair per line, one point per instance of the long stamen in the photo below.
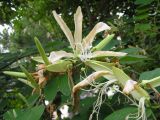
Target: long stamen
x,y
85,52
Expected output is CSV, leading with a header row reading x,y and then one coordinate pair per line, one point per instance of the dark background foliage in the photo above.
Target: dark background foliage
x,y
138,29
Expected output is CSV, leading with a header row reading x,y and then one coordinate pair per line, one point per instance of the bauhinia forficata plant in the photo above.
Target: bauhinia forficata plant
x,y
85,53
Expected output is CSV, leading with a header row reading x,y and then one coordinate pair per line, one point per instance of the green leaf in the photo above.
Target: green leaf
x,y
142,10
141,17
51,89
142,27
59,83
150,74
132,50
41,51
34,113
151,77
122,114
38,59
155,82
32,99
59,66
10,115
23,98
85,105
64,85
29,76
143,2
26,82
130,59
15,74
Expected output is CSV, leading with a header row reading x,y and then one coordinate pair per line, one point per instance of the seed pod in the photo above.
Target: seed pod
x,y
41,51
15,74
103,43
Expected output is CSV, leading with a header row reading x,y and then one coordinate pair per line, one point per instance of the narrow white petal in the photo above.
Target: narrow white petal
x,y
57,55
107,53
99,27
78,18
65,29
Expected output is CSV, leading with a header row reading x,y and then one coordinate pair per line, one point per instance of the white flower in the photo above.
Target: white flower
x,y
46,102
82,47
64,111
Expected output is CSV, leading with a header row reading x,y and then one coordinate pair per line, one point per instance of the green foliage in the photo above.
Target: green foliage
x,y
121,114
137,28
143,2
150,74
29,77
60,66
34,113
16,74
55,85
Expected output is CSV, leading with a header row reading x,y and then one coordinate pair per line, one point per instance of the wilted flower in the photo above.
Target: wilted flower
x,y
129,86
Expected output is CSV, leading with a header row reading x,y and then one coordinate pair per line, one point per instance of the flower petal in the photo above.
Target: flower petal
x,y
78,17
65,29
107,53
57,55
87,81
99,27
